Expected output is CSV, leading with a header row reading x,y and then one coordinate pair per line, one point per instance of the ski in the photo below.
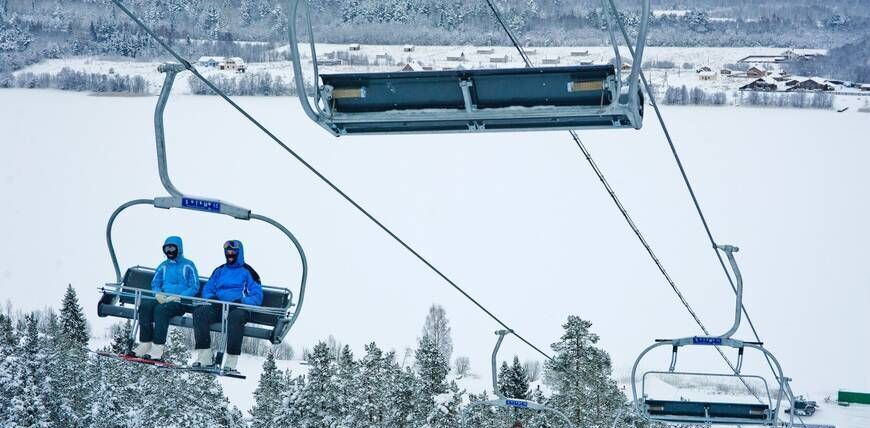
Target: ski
x,y
135,359
213,370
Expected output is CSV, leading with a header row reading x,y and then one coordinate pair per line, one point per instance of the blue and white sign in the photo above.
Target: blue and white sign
x,y
516,403
699,340
201,204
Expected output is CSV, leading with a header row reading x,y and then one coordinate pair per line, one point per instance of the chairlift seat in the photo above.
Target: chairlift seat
x,y
709,412
262,326
475,100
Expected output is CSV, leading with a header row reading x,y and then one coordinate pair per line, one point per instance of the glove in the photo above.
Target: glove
x,y
168,299
161,298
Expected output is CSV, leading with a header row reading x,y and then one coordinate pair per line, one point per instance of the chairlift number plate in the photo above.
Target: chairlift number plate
x,y
201,204
516,403
697,340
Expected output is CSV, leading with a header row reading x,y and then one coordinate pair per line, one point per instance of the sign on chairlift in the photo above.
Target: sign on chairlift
x,y
201,205
700,340
516,403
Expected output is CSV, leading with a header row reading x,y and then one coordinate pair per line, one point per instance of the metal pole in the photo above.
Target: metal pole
x,y
109,226
729,251
501,334
171,70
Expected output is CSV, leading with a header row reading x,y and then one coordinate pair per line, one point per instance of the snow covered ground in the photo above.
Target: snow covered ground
x,y
517,219
389,58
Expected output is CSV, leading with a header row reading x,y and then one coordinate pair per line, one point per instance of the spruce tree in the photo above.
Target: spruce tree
x,y
432,367
513,382
28,407
346,384
120,337
74,326
268,394
580,376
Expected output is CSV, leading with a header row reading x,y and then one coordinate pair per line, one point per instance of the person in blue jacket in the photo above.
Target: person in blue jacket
x,y
234,282
175,277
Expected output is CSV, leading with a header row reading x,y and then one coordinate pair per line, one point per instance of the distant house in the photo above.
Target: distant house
x,y
383,57
580,53
762,84
812,84
210,61
781,76
233,64
328,61
725,72
792,82
486,51
501,59
354,47
704,69
865,87
530,51
707,75
456,57
416,66
756,72
408,48
551,60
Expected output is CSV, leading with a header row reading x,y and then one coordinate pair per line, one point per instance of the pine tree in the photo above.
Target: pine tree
x,y
445,412
28,407
513,381
580,376
432,367
74,326
268,394
347,385
120,337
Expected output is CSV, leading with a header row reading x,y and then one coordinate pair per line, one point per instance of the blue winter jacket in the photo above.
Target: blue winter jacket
x,y
234,283
177,276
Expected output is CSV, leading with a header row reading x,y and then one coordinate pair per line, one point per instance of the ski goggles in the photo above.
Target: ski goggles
x,y
170,248
232,245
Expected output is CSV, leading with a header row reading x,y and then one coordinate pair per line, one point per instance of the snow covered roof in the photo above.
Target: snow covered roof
x,y
210,58
237,60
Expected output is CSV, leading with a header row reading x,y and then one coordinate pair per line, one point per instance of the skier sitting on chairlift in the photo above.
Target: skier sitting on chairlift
x,y
176,275
233,282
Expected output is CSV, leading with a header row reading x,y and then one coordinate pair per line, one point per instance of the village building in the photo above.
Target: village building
x,y
354,47
704,69
416,66
551,60
460,56
233,64
580,53
501,59
756,72
408,48
210,61
761,84
725,72
812,84
865,87
530,51
327,61
707,75
485,51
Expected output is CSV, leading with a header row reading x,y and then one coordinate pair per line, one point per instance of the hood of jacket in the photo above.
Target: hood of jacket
x,y
240,258
175,240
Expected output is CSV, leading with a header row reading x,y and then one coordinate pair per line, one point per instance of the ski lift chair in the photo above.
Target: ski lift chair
x,y
765,412
474,100
270,321
507,402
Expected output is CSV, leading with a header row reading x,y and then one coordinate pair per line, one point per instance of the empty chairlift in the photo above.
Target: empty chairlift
x,y
681,412
508,402
474,100
271,321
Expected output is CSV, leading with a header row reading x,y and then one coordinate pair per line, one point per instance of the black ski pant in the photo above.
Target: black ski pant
x,y
154,319
205,315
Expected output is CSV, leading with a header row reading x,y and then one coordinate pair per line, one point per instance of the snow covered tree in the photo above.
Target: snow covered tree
x,y
314,404
432,367
74,326
120,337
404,394
347,381
580,376
513,381
437,328
445,412
267,397
28,405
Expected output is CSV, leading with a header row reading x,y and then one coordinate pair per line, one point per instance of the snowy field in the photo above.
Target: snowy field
x,y
392,58
519,220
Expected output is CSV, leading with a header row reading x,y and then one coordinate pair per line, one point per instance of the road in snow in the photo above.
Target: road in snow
x,y
519,220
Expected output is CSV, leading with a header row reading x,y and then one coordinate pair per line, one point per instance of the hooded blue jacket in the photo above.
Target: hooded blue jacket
x,y
177,276
234,283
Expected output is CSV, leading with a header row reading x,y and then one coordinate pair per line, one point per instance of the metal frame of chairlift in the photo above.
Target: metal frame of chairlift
x,y
673,412
507,402
517,99
177,199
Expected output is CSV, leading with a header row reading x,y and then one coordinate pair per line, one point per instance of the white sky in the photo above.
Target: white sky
x,y
519,220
